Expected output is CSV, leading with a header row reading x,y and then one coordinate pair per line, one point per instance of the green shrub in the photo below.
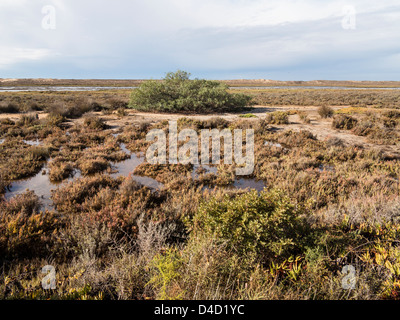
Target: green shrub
x,y
248,115
177,93
278,117
262,224
168,268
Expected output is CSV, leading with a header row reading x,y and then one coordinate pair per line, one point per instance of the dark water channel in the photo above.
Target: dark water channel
x,y
42,186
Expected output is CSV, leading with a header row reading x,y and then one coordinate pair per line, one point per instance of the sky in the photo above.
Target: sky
x,y
212,39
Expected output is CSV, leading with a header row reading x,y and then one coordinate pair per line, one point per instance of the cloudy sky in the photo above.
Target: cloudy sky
x,y
214,39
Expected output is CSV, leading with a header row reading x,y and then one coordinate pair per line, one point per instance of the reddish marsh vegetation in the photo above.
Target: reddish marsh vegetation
x,y
327,203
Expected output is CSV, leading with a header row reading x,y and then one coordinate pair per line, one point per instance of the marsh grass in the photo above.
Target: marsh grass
x,y
337,97
325,112
344,122
327,203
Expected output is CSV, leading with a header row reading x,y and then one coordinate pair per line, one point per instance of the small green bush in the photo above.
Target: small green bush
x,y
248,115
278,117
177,93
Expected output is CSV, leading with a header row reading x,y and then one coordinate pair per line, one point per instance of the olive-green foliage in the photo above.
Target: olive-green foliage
x,y
177,93
263,224
278,117
248,115
168,266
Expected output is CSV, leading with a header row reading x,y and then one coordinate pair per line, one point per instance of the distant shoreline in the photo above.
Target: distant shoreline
x,y
231,83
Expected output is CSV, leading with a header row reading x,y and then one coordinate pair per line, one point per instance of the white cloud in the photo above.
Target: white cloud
x,y
10,55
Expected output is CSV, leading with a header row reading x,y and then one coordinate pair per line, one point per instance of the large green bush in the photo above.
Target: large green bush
x,y
177,93
264,224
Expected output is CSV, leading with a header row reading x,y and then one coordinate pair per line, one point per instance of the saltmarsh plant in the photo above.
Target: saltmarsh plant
x,y
27,120
303,117
228,244
24,231
73,109
8,107
316,97
325,112
166,279
54,119
247,115
342,121
59,169
278,117
177,93
377,133
298,139
19,160
92,165
263,225
94,122
69,197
